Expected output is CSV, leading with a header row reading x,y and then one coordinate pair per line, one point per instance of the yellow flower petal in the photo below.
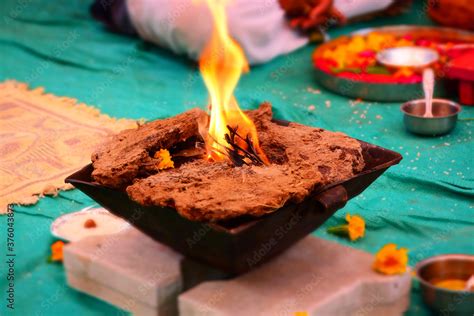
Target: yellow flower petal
x,y
57,251
356,226
165,162
390,260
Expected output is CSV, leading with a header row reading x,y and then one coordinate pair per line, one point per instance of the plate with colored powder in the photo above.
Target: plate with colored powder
x,y
347,65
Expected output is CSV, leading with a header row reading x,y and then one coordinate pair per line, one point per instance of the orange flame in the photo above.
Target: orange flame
x,y
221,63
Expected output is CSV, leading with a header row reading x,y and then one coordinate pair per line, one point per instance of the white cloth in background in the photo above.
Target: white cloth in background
x,y
259,26
185,26
353,8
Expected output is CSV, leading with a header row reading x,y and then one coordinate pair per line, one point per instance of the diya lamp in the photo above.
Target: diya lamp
x,y
85,223
428,116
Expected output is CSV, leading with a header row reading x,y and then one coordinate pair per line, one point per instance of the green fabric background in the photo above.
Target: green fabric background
x,y
425,204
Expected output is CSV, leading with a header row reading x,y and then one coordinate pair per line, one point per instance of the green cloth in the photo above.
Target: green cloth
x,y
424,204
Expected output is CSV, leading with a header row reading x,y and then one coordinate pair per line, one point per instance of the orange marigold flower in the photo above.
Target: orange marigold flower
x,y
356,226
354,229
404,72
57,251
165,162
390,260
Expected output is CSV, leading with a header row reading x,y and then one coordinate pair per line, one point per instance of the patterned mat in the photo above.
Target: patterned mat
x,y
43,139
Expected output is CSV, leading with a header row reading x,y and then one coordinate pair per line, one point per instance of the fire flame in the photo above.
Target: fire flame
x,y
221,63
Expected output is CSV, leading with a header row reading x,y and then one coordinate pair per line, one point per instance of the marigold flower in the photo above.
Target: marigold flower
x,y
390,260
356,226
165,162
57,251
356,44
404,72
357,54
354,229
378,41
403,42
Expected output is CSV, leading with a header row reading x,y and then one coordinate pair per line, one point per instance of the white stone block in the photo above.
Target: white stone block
x,y
126,265
138,274
314,276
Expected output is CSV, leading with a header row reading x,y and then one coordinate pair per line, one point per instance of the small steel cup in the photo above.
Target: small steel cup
x,y
441,300
445,116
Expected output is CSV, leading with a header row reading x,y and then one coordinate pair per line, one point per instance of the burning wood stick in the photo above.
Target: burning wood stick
x,y
236,153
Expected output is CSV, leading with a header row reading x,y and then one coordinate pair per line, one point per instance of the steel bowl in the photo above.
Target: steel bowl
x,y
445,116
441,300
409,56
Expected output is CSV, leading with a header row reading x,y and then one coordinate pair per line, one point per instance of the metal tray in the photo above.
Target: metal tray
x,y
388,92
238,245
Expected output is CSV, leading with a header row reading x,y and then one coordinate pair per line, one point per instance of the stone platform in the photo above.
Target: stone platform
x,y
315,276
